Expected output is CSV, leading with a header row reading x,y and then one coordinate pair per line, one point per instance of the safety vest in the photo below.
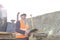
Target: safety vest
x,y
22,27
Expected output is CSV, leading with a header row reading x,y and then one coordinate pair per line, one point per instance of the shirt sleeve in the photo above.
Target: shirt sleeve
x,y
18,28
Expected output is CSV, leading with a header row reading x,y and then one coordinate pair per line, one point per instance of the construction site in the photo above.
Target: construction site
x,y
48,26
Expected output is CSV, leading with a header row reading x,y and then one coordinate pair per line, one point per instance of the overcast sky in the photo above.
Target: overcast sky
x,y
34,7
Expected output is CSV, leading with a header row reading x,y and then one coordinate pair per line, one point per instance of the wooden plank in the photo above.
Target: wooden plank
x,y
7,35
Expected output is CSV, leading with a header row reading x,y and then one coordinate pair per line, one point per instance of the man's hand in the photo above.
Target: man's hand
x,y
27,32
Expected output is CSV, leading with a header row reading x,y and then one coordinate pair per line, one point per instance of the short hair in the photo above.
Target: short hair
x,y
23,14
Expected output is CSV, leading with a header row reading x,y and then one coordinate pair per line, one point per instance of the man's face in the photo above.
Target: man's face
x,y
23,17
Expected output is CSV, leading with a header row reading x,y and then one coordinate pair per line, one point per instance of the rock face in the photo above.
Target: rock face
x,y
49,23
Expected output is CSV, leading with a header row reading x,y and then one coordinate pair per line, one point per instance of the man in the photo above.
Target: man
x,y
21,28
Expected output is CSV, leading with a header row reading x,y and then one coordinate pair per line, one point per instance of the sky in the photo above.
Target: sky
x,y
34,7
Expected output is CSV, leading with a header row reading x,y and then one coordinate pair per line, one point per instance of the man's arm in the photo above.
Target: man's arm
x,y
18,28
